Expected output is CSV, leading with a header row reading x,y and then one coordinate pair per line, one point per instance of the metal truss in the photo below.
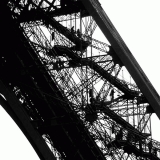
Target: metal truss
x,y
114,111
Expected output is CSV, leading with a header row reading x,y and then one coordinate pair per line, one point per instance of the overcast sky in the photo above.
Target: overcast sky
x,y
137,21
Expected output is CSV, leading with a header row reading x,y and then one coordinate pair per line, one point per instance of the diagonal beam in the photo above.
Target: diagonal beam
x,y
122,51
93,65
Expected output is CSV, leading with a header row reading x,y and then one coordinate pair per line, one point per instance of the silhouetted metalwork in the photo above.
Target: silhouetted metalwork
x,y
66,90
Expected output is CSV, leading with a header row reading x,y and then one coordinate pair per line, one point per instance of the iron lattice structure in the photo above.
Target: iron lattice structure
x,y
67,90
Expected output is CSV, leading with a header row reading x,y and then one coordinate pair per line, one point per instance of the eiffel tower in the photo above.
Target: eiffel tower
x,y
67,91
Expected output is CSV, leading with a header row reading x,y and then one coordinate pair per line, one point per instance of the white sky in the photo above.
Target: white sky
x,y
138,22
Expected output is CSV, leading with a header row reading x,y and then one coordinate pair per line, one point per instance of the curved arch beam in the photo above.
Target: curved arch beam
x,y
16,112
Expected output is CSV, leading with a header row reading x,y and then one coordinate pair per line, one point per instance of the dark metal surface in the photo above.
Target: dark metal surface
x,y
55,86
47,109
18,114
